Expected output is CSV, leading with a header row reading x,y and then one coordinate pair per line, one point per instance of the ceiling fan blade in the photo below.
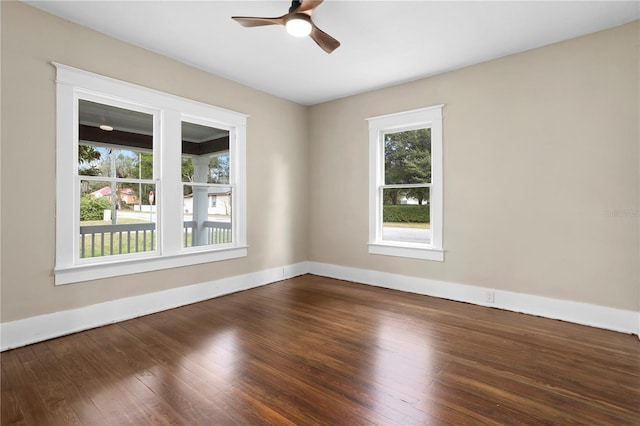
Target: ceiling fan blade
x,y
324,40
251,21
308,6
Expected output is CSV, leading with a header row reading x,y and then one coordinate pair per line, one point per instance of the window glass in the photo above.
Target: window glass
x,y
207,194
407,170
115,166
407,157
405,215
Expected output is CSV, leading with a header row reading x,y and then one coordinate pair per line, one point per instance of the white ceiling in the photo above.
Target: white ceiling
x,y
383,42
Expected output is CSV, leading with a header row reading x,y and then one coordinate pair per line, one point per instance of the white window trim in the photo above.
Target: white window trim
x,y
72,83
414,119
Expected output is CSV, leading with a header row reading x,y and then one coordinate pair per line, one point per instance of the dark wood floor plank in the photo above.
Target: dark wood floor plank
x,y
198,323
10,409
108,388
54,394
158,388
314,350
529,399
78,400
131,373
215,383
31,397
95,405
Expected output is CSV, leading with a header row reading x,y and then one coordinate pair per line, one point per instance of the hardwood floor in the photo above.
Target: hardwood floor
x,y
313,350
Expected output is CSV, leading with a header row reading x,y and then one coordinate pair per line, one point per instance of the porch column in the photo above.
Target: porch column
x,y
200,200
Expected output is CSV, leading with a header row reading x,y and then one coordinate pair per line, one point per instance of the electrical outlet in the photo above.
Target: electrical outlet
x,y
490,296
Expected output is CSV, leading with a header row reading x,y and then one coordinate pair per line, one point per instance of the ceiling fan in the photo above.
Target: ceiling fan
x,y
298,23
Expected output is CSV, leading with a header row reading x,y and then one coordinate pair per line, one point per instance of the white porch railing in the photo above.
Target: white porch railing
x,y
217,232
109,240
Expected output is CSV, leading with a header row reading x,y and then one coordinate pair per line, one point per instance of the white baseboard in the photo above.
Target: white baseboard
x,y
43,327
576,312
36,329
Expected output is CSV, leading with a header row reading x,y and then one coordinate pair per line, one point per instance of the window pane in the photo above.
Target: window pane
x,y
115,219
205,154
207,207
405,215
407,157
206,222
114,142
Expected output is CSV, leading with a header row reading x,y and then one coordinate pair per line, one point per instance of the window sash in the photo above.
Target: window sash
x,y
126,104
115,179
405,185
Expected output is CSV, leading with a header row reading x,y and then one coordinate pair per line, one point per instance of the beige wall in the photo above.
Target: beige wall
x,y
538,146
276,160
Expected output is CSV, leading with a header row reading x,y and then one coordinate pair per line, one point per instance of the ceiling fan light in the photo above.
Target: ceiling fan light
x,y
298,27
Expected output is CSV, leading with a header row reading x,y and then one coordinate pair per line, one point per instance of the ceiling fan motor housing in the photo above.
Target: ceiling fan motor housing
x,y
295,4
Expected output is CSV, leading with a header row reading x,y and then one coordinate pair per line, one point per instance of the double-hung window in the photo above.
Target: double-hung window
x,y
137,171
405,184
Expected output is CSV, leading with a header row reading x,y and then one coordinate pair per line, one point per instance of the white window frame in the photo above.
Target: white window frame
x,y
430,117
73,84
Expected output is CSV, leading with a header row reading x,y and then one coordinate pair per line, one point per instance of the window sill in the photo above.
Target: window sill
x,y
415,252
95,271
